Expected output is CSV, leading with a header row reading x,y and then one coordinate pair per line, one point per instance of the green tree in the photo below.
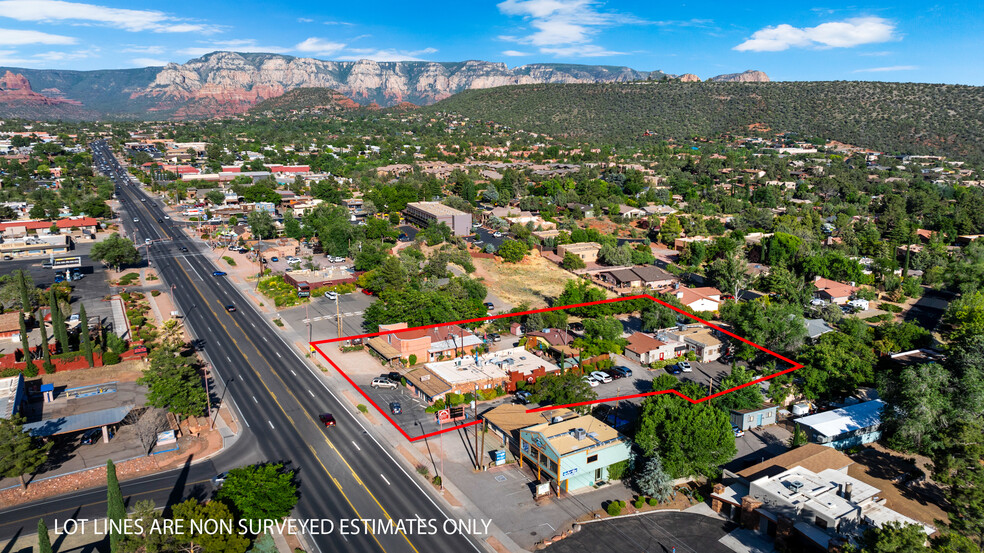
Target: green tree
x,y
292,227
564,389
572,262
20,453
86,339
798,438
894,537
58,327
214,542
26,346
260,224
45,349
115,509
749,397
920,406
513,251
670,230
782,249
25,286
115,251
174,383
653,480
957,466
835,365
265,491
44,540
215,197
264,544
777,326
730,274
964,317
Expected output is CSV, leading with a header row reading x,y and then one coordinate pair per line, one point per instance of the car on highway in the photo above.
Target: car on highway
x,y
143,199
146,240
327,419
167,216
218,273
160,220
184,249
395,408
136,220
601,377
737,431
231,308
686,367
591,382
383,382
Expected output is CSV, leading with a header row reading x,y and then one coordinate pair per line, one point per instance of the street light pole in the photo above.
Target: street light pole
x,y
478,461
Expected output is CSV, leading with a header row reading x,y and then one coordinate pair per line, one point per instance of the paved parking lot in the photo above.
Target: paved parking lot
x,y
660,531
321,312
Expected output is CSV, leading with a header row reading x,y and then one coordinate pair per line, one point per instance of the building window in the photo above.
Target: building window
x,y
592,458
821,523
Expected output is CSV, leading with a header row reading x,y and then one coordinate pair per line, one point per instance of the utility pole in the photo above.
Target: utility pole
x,y
478,461
307,317
338,317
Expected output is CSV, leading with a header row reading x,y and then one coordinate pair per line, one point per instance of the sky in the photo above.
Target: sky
x,y
902,40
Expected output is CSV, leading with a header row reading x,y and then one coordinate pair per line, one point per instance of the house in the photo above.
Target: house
x,y
698,299
553,340
816,328
586,251
10,325
572,453
754,418
700,340
643,348
845,427
833,291
425,344
630,212
639,276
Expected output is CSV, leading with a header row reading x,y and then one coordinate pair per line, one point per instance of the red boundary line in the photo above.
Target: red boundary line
x,y
795,365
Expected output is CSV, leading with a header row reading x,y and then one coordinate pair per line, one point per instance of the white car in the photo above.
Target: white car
x,y
331,295
685,367
592,382
167,216
136,220
601,377
497,235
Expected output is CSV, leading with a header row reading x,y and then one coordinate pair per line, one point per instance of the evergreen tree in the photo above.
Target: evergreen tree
x,y
46,350
115,511
58,322
23,289
26,346
44,541
654,481
86,339
20,453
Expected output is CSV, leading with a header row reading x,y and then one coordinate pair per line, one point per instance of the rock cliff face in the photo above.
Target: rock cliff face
x,y
689,78
15,89
749,76
228,82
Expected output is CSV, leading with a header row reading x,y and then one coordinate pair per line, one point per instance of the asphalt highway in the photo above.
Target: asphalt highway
x,y
344,473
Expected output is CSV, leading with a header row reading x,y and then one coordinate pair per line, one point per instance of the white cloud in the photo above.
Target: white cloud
x,y
10,57
135,49
130,20
564,27
875,54
345,23
886,69
319,47
515,53
836,34
148,62
64,56
234,45
305,20
12,37
387,54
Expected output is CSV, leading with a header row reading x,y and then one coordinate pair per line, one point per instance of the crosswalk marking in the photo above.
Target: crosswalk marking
x,y
315,319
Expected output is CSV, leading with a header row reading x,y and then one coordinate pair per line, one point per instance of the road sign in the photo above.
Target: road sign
x,y
443,416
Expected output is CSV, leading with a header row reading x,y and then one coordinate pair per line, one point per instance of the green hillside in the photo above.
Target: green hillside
x,y
893,117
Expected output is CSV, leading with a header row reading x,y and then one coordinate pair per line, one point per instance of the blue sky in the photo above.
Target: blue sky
x,y
892,41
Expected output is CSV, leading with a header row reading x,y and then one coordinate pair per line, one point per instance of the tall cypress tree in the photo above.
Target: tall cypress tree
x,y
58,322
25,296
26,345
46,350
115,511
86,340
44,541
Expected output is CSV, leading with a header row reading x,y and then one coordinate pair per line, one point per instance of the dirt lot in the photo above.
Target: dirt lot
x,y
530,281
127,371
878,466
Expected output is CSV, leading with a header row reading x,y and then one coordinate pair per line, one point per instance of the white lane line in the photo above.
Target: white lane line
x,y
271,424
292,372
241,377
254,400
278,354
385,480
265,340
356,445
227,359
310,392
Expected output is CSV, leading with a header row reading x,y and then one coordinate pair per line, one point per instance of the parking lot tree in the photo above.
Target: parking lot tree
x,y
292,227
749,397
115,251
654,481
173,383
572,262
513,251
20,453
564,389
263,491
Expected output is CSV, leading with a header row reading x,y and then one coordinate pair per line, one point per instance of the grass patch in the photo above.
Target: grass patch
x,y
278,322
229,260
277,289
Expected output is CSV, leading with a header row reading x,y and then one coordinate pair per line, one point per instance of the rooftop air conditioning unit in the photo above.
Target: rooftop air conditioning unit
x,y
579,434
557,419
795,485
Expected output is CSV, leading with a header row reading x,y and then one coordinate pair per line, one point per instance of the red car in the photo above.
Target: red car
x,y
366,292
327,419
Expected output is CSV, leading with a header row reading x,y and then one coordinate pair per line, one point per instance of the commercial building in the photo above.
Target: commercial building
x,y
698,339
424,344
586,251
35,246
423,214
845,427
12,394
572,453
643,348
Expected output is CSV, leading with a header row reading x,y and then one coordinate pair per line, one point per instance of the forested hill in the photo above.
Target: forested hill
x,y
892,117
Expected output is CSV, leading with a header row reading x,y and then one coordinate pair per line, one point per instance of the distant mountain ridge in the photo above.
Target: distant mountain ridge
x,y
227,83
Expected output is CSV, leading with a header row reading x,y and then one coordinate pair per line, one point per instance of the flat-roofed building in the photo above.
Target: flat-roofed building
x,y
586,251
423,214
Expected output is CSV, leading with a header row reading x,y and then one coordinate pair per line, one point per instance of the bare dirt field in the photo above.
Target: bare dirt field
x,y
879,466
127,371
530,281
